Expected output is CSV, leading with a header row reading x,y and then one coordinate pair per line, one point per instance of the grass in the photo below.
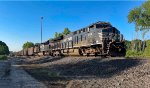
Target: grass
x,y
3,57
137,54
42,73
52,79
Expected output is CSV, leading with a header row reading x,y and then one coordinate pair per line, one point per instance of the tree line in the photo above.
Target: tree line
x,y
31,44
137,48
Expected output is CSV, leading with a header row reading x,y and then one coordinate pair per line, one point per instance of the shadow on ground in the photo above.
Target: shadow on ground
x,y
44,60
85,69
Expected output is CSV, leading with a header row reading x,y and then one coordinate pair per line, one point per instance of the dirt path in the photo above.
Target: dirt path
x,y
5,80
12,76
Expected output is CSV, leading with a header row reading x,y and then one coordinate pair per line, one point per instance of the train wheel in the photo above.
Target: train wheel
x,y
87,54
80,52
95,54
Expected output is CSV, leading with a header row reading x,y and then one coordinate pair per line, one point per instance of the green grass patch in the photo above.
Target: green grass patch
x,y
131,53
3,57
140,54
42,73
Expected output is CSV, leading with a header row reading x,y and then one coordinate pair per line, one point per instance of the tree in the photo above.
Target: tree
x,y
147,49
66,31
136,45
140,16
4,50
50,39
60,34
27,45
56,35
128,44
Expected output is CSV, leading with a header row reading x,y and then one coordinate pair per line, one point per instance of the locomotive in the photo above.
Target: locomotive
x,y
99,38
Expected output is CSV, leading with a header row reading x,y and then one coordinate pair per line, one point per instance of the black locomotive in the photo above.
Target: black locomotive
x,y
99,38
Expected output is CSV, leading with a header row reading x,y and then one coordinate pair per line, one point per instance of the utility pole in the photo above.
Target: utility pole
x,y
41,28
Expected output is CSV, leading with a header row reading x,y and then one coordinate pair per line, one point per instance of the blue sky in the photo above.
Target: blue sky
x,y
20,21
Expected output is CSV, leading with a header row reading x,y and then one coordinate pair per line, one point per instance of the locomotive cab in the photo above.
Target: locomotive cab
x,y
113,42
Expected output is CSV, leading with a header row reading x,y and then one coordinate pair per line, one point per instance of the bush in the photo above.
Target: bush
x,y
138,52
147,49
131,53
3,57
28,45
3,49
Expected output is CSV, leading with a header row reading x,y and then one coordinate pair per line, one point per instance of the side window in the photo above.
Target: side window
x,y
72,43
88,29
77,39
81,37
98,26
79,31
105,30
75,32
62,45
84,30
113,30
56,45
68,45
65,45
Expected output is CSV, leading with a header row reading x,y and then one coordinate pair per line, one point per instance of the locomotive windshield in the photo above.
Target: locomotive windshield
x,y
105,30
103,25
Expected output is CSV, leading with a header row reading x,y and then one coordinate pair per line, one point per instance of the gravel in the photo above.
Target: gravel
x,y
4,74
96,72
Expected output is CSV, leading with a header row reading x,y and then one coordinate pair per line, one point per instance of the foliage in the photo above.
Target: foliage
x,y
140,16
147,49
60,34
136,45
55,35
4,50
27,45
3,57
136,51
50,39
11,53
131,53
128,44
66,31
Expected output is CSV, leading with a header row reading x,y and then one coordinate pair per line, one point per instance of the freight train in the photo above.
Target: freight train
x,y
99,38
